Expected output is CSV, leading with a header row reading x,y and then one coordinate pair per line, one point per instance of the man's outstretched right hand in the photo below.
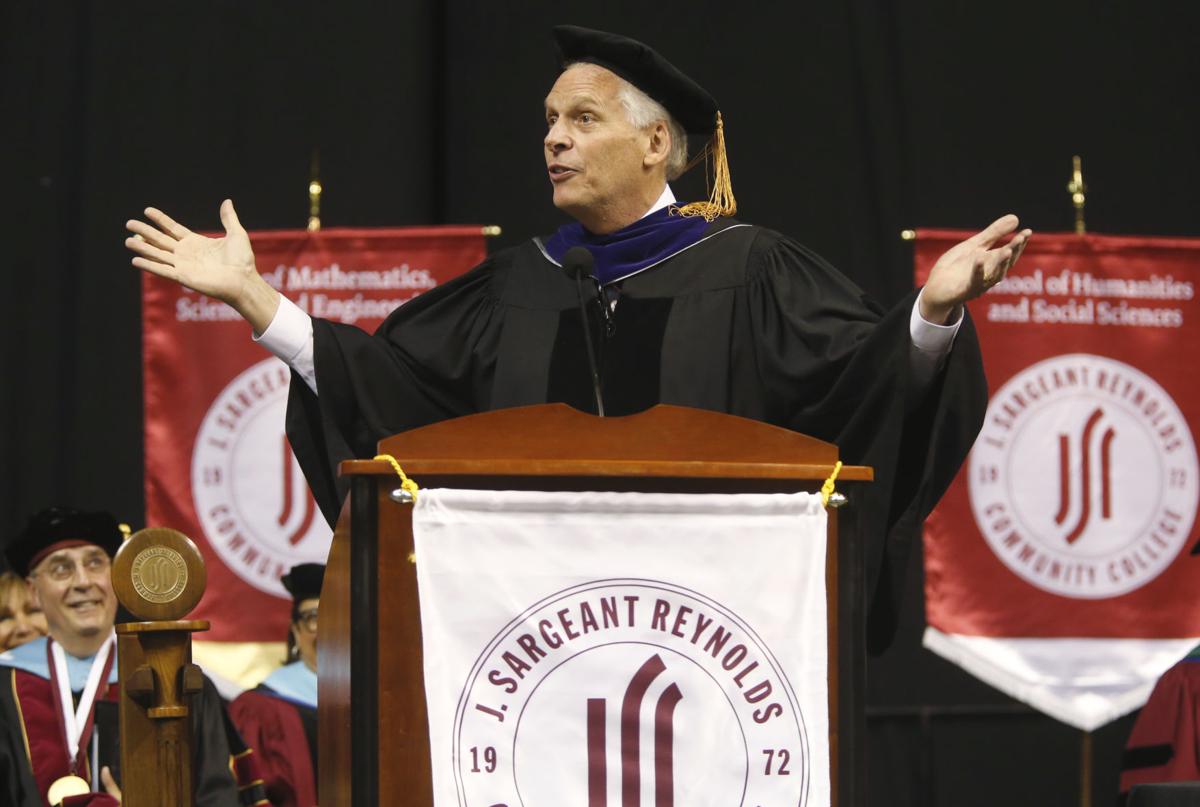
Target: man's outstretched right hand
x,y
222,268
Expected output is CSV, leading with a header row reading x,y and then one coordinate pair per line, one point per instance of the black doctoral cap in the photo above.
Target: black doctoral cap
x,y
304,580
690,104
644,68
58,528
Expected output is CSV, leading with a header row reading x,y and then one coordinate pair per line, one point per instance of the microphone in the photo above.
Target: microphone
x,y
578,262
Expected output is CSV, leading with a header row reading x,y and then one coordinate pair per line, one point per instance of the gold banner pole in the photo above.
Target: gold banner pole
x,y
314,194
1077,190
1085,769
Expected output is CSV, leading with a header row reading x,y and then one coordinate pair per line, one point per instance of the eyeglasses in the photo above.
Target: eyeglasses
x,y
307,620
63,569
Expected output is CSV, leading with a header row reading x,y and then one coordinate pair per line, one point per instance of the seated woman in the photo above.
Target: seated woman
x,y
20,619
278,718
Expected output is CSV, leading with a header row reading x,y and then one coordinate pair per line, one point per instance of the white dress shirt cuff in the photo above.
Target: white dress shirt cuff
x,y
290,338
928,337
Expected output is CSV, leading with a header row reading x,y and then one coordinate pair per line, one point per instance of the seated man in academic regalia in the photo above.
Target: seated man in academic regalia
x,y
278,718
58,694
685,306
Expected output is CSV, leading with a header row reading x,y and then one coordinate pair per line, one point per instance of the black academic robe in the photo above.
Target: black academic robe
x,y
33,752
746,322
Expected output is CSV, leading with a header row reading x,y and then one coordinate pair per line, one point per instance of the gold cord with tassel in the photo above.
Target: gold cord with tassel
x,y
720,200
406,483
827,489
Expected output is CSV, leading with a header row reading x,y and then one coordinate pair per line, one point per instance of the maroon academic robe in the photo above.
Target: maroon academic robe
x,y
40,728
274,728
1164,745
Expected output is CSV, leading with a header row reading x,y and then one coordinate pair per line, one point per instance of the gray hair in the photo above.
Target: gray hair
x,y
643,111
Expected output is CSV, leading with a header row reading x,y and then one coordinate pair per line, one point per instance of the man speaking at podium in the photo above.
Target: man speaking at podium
x,y
687,307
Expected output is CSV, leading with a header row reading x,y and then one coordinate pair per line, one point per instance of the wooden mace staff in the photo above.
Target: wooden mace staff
x,y
159,576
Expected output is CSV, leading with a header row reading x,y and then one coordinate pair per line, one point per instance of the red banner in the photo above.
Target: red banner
x,y
1074,518
217,463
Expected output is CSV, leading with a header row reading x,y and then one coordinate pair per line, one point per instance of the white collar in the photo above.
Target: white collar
x,y
664,199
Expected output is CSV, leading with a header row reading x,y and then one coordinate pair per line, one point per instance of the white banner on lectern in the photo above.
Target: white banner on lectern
x,y
594,649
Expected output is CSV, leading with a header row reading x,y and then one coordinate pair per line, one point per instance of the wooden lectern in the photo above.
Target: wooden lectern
x,y
370,666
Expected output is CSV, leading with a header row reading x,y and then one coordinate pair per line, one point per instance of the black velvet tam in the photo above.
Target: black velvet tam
x,y
62,525
304,581
644,68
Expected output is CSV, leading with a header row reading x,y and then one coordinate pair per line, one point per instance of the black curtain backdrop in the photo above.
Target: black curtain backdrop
x,y
847,122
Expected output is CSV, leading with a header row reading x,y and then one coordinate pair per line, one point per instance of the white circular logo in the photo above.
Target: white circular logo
x,y
1084,478
627,692
249,492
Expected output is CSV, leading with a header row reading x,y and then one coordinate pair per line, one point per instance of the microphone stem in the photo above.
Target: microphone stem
x,y
587,338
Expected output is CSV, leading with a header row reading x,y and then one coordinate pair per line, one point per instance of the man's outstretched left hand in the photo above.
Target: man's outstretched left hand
x,y
970,268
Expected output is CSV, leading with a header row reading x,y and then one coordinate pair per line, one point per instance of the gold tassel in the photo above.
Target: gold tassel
x,y
720,200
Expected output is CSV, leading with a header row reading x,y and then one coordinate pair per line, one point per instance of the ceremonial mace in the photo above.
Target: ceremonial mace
x,y
159,576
